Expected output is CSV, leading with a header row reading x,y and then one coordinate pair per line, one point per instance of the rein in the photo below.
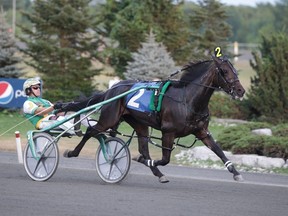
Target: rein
x,y
188,82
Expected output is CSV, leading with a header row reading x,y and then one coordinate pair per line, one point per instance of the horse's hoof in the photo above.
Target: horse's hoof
x,y
238,178
137,158
163,179
66,153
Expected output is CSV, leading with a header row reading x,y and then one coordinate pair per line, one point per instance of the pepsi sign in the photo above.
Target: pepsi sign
x,y
11,93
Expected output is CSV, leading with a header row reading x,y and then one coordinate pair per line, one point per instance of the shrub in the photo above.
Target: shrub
x,y
239,140
267,97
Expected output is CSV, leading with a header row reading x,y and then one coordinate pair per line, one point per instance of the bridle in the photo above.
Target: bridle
x,y
228,83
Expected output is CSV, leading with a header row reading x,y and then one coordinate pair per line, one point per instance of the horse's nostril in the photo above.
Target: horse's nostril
x,y
241,91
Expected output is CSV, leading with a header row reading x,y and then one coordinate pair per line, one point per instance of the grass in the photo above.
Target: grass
x,y
11,121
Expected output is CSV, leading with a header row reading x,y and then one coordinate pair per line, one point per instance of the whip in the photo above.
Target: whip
x,y
23,122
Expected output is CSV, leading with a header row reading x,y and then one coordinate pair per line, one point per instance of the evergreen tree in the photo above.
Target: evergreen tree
x,y
268,97
8,60
60,46
127,21
209,27
151,62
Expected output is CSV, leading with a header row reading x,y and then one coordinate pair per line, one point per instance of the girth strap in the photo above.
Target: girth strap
x,y
156,99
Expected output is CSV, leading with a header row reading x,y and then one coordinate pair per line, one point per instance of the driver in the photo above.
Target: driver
x,y
42,113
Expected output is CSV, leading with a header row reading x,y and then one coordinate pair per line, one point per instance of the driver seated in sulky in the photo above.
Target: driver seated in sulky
x,y
42,113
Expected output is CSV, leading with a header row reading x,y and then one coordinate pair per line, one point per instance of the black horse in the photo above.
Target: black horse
x,y
184,111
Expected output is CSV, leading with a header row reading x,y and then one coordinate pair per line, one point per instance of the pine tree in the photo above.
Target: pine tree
x,y
127,21
151,62
268,97
209,28
60,46
8,49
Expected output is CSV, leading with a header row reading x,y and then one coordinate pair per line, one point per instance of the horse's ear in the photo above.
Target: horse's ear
x,y
225,58
217,60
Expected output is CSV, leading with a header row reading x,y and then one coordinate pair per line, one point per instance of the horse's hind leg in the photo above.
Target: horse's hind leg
x,y
210,143
108,119
89,133
145,158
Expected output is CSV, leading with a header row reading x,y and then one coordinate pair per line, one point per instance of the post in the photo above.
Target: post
x,y
19,147
236,51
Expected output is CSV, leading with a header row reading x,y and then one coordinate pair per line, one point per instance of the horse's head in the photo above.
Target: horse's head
x,y
227,78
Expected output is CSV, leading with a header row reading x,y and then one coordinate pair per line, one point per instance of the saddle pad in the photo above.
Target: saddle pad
x,y
141,99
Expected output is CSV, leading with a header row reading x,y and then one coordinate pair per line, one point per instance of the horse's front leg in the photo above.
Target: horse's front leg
x,y
210,143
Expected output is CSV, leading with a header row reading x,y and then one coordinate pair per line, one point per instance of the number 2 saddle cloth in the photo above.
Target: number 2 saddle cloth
x,y
149,98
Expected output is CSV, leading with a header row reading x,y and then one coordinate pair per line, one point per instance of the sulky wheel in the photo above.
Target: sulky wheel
x,y
42,165
115,166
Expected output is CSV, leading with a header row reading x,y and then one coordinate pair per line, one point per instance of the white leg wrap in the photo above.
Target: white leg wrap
x,y
228,163
150,163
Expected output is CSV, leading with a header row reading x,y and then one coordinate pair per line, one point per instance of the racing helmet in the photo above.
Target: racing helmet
x,y
30,82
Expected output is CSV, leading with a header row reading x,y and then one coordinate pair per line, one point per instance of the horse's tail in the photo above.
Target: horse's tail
x,y
78,105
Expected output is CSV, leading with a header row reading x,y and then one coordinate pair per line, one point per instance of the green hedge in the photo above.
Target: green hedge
x,y
239,140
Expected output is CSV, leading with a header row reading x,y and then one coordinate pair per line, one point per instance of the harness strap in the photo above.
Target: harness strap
x,y
156,99
161,95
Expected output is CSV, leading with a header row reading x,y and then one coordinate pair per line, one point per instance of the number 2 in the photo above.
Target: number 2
x,y
135,97
218,52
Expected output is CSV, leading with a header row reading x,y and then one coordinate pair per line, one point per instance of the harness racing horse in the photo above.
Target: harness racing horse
x,y
184,111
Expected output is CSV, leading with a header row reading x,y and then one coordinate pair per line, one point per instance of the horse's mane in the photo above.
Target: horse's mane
x,y
194,70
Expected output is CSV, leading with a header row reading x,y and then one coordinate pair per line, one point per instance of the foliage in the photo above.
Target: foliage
x,y
240,140
151,62
24,5
250,22
8,59
209,27
127,21
268,96
280,9
61,47
8,4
